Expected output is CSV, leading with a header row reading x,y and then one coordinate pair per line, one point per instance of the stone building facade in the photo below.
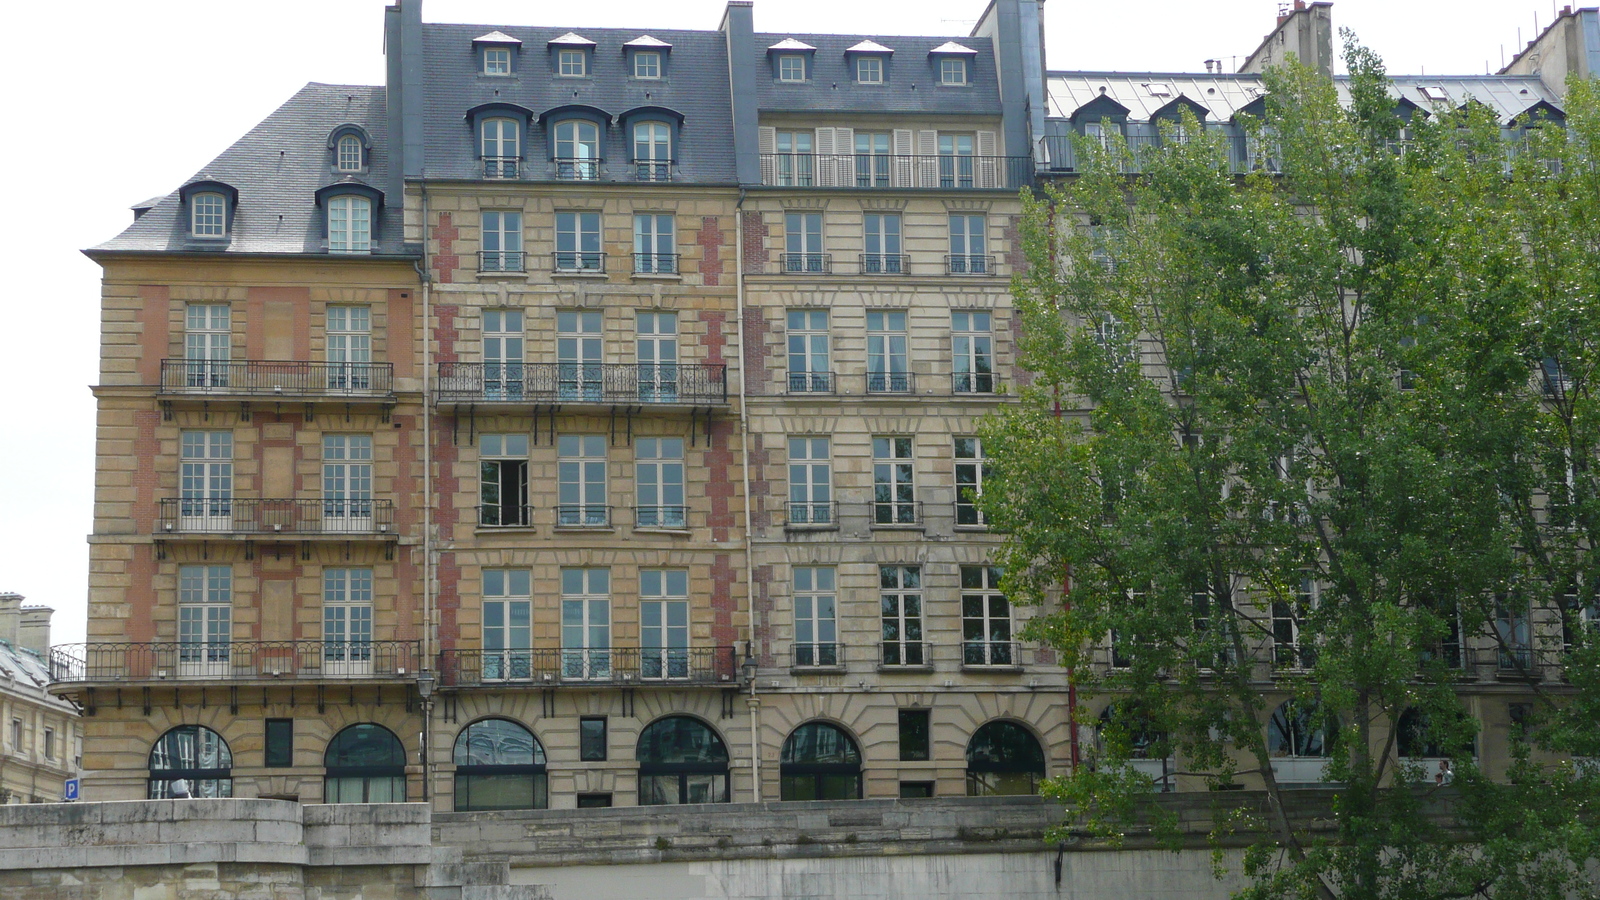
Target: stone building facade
x,y
40,741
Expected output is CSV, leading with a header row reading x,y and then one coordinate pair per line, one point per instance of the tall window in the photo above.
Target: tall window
x,y
952,71
816,626
208,215
915,734
894,491
955,159
579,371
882,234
497,61
972,352
572,63
1513,634
655,252
205,481
581,480
794,161
681,760
502,241
195,754
1288,652
803,243
205,620
663,623
586,623
900,599
966,246
872,159
349,349
808,351
364,764
652,150
507,624
658,483
347,483
792,67
656,353
207,344
646,64
502,354
503,481
350,153
972,467
1003,758
869,69
1301,729
499,765
501,147
349,224
810,482
985,619
577,150
578,242
888,367
347,621
819,762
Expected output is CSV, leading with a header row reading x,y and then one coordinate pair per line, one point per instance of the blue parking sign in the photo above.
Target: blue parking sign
x,y
71,791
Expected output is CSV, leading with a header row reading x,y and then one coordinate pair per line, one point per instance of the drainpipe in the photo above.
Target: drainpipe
x,y
427,506
749,527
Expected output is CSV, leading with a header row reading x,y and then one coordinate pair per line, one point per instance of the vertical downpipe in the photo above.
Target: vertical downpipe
x,y
427,497
749,527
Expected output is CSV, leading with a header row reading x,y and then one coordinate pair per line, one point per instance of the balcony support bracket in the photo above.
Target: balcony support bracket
x,y
322,699
547,702
166,410
244,410
388,552
310,414
233,700
146,701
249,550
627,702
88,702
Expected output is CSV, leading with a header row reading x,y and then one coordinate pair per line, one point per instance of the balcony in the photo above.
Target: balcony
x,y
879,171
891,383
502,166
819,515
896,513
578,384
305,519
968,383
491,262
811,382
807,263
817,655
968,264
578,262
234,661
576,168
991,654
905,655
581,516
655,264
206,380
885,264
551,667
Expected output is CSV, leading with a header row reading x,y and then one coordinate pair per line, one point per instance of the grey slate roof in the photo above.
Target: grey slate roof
x,y
1223,95
25,673
911,82
277,168
696,86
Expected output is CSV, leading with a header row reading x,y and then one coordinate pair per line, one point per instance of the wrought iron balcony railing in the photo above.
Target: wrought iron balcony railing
x,y
179,661
905,654
811,382
896,513
807,263
650,170
271,378
233,515
655,264
886,171
501,166
885,264
548,666
891,383
501,261
583,515
968,264
579,262
577,168
818,654
974,383
990,653
811,514
505,515
627,384
664,517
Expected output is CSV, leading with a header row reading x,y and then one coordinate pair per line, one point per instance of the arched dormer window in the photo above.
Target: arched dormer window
x,y
576,141
497,130
349,149
351,209
652,141
210,206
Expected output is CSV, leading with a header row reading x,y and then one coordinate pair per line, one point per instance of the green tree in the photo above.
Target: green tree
x,y
1315,447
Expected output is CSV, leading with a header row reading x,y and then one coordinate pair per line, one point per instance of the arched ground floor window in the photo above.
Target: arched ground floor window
x,y
820,762
681,760
364,763
499,765
1003,758
195,754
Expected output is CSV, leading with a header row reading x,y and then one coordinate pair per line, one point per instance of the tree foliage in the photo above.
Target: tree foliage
x,y
1326,433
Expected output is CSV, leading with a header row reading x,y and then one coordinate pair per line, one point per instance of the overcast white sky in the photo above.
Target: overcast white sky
x,y
110,101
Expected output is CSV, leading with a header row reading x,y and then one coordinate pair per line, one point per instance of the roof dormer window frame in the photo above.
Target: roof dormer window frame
x,y
792,61
350,216
349,150
868,62
952,64
497,54
572,56
209,208
647,65
646,58
792,67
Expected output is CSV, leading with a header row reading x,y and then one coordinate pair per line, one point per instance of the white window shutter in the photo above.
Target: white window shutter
x,y
903,148
927,159
824,157
991,173
844,148
767,145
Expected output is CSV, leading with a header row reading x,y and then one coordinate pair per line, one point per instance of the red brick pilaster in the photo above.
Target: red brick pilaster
x,y
722,476
445,262
761,615
755,243
723,602
140,595
446,333
146,450
711,242
756,351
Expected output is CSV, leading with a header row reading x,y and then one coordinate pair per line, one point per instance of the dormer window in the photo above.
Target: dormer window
x,y
210,205
646,57
952,71
349,224
349,154
647,64
791,67
570,55
497,61
497,53
208,215
791,60
952,63
869,70
573,63
502,147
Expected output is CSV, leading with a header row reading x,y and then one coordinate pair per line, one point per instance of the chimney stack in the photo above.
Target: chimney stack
x,y
10,617
34,632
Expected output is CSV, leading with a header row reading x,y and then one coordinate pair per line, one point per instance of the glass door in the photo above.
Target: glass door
x,y
347,484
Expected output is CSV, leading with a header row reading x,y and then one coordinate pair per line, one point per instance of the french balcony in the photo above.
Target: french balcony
x,y
896,513
500,167
633,385
576,168
814,655
233,661
811,382
578,262
212,517
493,262
655,264
250,380
885,264
891,383
968,264
821,514
588,667
583,515
974,383
806,263
991,654
905,655
882,171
